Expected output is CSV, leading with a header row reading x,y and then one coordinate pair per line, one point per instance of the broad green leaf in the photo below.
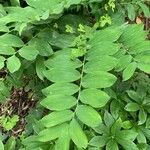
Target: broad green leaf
x,y
70,2
112,145
144,67
148,123
57,40
63,141
50,133
142,46
127,134
60,58
133,95
108,119
143,58
2,60
102,129
28,52
31,143
127,124
141,137
98,141
62,75
56,6
42,46
61,88
146,133
102,49
10,40
98,80
10,144
132,107
123,62
56,118
59,102
116,127
13,63
129,71
15,2
7,50
105,63
142,116
95,98
127,144
133,32
77,134
145,9
1,145
115,108
110,34
4,91
40,67
88,116
3,27
131,11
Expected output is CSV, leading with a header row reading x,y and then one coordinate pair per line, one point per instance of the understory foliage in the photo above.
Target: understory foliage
x,y
86,67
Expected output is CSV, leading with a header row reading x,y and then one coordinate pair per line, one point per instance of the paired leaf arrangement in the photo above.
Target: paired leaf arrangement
x,y
88,79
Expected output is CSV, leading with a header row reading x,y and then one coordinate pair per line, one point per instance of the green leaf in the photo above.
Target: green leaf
x,y
10,40
132,107
145,9
144,67
2,60
7,50
105,63
116,127
13,64
88,116
112,145
61,88
127,124
127,134
15,2
50,133
142,116
42,46
95,98
132,94
63,57
3,27
123,62
10,144
110,34
63,141
131,11
77,135
62,75
40,67
28,52
56,118
108,119
127,144
129,71
59,102
98,141
1,145
148,123
102,49
98,80
141,137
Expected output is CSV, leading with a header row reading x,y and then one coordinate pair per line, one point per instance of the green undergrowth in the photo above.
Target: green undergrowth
x,y
74,75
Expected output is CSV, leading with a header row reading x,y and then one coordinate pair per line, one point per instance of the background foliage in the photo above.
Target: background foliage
x,y
74,75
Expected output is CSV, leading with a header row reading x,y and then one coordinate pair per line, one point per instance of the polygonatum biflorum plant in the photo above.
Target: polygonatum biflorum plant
x,y
91,83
